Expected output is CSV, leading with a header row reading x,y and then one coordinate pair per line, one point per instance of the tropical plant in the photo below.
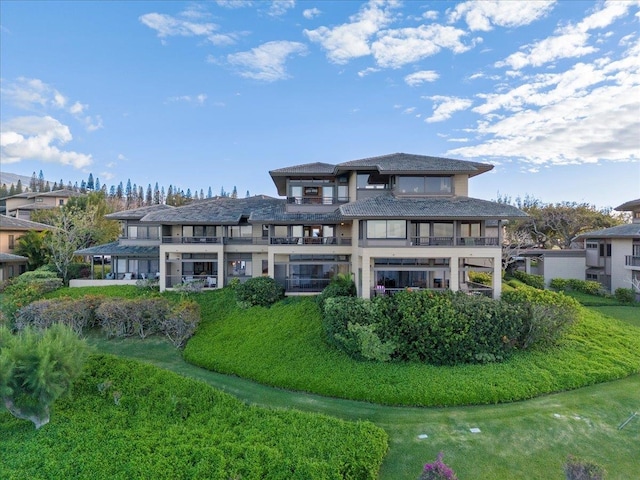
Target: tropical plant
x,y
36,368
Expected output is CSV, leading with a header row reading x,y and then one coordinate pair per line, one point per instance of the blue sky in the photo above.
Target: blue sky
x,y
199,94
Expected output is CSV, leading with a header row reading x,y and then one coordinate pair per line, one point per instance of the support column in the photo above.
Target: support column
x,y
497,276
366,277
454,273
221,278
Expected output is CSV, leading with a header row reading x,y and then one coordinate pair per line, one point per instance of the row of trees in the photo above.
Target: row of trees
x,y
128,195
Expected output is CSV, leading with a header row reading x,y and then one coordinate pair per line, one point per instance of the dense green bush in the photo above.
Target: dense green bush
x,y
262,291
340,286
26,288
483,278
131,420
545,314
572,284
535,281
625,295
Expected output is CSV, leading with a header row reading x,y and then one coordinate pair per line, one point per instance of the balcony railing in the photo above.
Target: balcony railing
x,y
203,281
632,260
310,240
192,239
305,284
459,241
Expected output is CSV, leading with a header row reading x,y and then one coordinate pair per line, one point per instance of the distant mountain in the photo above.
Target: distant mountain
x,y
12,178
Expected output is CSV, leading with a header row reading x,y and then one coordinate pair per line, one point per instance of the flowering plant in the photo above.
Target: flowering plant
x,y
438,470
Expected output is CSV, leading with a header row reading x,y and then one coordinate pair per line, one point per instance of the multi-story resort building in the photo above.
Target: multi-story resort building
x,y
392,222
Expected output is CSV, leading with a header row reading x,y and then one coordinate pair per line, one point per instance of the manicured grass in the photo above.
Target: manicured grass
x,y
283,346
526,440
596,300
628,314
130,420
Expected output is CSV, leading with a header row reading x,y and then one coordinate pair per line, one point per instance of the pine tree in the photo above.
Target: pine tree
x,y
4,191
247,194
83,187
19,187
97,186
90,183
149,197
156,195
33,183
47,187
41,181
209,193
234,193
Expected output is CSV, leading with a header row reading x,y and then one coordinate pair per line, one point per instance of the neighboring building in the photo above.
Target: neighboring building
x,y
555,263
22,204
393,222
11,229
613,254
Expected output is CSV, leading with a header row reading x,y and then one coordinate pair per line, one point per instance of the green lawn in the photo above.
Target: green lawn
x,y
283,347
630,315
522,440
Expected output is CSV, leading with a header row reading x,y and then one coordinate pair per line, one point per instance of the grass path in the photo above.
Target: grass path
x,y
523,440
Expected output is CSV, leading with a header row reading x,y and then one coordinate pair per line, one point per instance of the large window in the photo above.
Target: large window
x,y
412,185
240,231
142,232
386,229
198,231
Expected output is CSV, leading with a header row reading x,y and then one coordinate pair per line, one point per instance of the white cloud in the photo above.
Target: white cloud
x,y
310,13
38,138
583,115
280,7
199,99
445,107
418,78
409,110
458,140
482,16
189,26
32,94
395,48
351,40
234,3
266,62
569,42
29,93
430,15
367,71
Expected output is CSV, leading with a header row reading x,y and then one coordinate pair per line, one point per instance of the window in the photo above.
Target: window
x,y
372,181
386,229
240,231
12,242
143,232
412,185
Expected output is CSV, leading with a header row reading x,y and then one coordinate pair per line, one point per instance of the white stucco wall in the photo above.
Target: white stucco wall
x,y
563,267
620,276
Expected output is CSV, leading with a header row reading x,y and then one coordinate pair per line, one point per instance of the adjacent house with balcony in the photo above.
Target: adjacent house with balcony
x,y
393,222
613,254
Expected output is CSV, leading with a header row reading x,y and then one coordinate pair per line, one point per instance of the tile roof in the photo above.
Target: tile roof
x,y
317,168
418,164
389,206
13,223
116,249
218,211
630,230
11,258
276,212
137,213
629,206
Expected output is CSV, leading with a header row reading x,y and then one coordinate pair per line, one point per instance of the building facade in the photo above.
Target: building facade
x,y
613,254
11,229
22,204
393,222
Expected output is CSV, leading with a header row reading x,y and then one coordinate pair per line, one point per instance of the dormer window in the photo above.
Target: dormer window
x,y
415,185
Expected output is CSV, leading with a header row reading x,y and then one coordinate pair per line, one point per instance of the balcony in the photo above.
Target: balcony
x,y
316,200
632,260
310,241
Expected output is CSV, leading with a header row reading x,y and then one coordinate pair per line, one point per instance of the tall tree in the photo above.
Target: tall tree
x,y
70,232
33,183
19,187
97,185
90,183
209,193
156,195
41,182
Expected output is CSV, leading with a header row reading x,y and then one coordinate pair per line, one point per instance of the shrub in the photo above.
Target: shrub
x,y
125,318
625,295
545,314
483,278
340,286
26,288
577,469
437,470
339,313
262,291
559,284
181,323
586,286
535,281
77,314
